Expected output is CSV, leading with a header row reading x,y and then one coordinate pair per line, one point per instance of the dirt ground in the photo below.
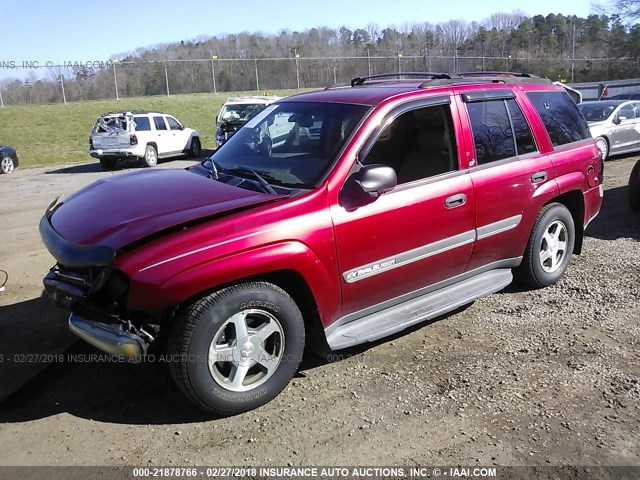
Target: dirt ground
x,y
547,377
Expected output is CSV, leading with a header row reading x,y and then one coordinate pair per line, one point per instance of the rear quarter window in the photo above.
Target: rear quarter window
x,y
561,117
142,124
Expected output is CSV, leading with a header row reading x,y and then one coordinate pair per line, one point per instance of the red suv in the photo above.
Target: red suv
x,y
332,218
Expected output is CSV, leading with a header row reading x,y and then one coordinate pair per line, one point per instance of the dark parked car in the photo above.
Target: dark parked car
x,y
8,159
625,96
330,219
634,187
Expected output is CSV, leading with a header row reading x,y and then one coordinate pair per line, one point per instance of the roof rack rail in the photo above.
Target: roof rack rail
x,y
497,74
398,75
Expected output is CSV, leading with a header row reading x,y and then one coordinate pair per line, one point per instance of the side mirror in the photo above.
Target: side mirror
x,y
364,186
620,119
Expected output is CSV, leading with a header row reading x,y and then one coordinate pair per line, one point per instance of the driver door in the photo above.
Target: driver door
x,y
420,233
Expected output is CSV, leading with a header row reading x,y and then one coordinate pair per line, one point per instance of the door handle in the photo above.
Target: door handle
x,y
455,200
539,177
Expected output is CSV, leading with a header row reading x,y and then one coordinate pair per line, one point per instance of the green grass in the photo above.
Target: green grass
x,y
58,134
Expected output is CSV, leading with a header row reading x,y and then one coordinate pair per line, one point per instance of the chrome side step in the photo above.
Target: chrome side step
x,y
430,305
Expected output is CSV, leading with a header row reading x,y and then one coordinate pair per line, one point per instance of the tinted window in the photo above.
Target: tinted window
x,y
142,123
524,137
160,125
560,116
492,133
417,144
173,123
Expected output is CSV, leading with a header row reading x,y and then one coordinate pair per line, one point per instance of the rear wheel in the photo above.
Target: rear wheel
x,y
195,148
634,187
150,156
7,165
550,247
603,147
108,163
236,349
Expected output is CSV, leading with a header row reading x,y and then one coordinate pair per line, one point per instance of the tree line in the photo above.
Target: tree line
x,y
599,47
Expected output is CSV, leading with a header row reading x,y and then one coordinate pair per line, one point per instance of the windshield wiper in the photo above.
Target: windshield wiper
x,y
260,179
215,169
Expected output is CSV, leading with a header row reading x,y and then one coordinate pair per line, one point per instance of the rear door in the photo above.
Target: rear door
x,y
512,179
111,133
421,232
162,135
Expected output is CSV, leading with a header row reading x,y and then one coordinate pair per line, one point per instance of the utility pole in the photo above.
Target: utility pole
x,y
399,57
573,49
369,60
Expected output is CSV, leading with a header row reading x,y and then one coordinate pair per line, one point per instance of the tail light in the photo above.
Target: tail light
x,y
90,143
133,140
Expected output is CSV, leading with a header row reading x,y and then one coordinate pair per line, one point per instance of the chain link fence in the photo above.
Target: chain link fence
x,y
166,77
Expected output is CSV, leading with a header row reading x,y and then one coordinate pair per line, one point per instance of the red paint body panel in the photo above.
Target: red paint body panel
x,y
116,211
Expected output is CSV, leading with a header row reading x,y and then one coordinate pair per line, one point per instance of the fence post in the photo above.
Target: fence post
x,y
166,77
115,78
257,81
64,95
1,100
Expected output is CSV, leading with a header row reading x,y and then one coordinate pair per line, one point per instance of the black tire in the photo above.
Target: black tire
x,y
196,148
634,187
542,265
150,158
199,329
108,163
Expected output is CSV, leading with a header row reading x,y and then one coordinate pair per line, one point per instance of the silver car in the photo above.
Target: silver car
x,y
614,124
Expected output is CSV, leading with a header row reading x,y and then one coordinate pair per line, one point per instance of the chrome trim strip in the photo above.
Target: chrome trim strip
x,y
410,256
350,317
498,227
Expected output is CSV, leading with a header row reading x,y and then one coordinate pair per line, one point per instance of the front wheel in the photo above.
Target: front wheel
x,y
237,348
150,158
603,147
550,247
634,187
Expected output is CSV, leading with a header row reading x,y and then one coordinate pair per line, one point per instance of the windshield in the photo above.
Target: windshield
x,y
240,112
597,112
291,144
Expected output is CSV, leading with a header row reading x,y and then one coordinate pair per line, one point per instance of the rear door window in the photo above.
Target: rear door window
x,y
159,123
561,117
142,124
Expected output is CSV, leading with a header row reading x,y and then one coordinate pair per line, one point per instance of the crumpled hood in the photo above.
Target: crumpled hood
x,y
121,209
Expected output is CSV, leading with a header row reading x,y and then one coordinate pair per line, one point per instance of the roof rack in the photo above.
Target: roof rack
x,y
497,74
399,75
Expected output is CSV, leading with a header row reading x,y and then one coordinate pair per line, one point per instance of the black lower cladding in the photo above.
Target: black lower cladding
x,y
74,255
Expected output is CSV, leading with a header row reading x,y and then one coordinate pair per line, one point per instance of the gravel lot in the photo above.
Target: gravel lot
x,y
547,377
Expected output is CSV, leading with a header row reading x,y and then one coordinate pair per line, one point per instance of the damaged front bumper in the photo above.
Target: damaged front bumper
x,y
84,282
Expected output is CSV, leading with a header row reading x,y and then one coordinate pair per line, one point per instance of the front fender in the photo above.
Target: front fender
x,y
290,255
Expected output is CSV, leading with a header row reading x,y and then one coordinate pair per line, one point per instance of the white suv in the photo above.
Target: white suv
x,y
237,111
141,134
